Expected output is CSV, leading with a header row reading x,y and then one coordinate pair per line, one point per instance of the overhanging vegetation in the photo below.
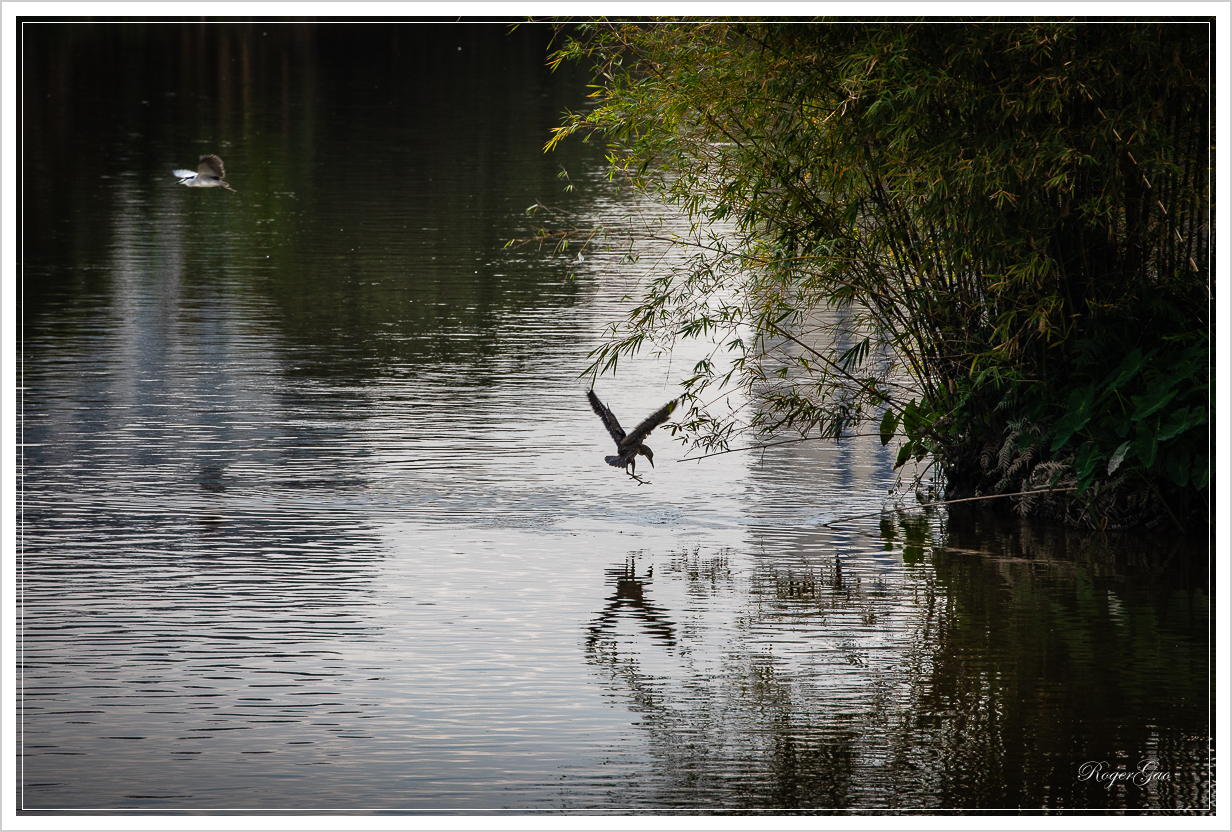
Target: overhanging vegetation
x,y
989,239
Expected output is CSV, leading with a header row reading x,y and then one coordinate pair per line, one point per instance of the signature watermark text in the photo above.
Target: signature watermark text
x,y
1101,772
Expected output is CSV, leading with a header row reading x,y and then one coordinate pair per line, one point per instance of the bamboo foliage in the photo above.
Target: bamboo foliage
x,y
1001,212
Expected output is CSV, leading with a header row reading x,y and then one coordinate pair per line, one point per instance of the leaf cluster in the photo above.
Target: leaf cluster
x,y
936,225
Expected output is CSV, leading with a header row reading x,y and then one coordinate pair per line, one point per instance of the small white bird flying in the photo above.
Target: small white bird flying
x,y
209,175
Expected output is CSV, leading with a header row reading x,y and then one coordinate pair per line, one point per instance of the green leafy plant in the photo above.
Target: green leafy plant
x,y
972,234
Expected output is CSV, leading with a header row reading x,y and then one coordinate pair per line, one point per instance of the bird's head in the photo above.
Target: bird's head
x,y
646,452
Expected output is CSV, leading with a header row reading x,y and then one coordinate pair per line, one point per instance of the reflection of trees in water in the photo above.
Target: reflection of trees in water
x,y
1054,647
732,737
981,675
1057,649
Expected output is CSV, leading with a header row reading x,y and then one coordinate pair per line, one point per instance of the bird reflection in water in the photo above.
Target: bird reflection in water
x,y
630,599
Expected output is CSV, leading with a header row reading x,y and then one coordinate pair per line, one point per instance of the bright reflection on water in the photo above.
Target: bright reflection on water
x,y
315,516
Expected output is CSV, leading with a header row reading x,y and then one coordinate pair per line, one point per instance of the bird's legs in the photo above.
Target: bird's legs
x,y
630,469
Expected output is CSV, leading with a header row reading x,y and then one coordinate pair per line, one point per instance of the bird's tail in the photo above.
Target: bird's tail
x,y
616,461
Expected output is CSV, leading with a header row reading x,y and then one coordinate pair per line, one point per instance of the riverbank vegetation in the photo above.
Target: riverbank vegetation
x,y
987,241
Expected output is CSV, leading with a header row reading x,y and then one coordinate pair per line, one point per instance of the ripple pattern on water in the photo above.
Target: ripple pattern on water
x,y
313,513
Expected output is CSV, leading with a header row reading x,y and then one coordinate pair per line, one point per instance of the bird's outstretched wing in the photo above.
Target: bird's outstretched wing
x,y
648,424
211,166
609,418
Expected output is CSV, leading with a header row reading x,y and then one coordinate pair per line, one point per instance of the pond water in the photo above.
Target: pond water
x,y
313,514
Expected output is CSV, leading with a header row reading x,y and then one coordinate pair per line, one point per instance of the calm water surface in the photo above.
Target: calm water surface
x,y
314,516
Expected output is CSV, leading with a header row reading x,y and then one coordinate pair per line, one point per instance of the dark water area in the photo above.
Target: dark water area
x,y
313,516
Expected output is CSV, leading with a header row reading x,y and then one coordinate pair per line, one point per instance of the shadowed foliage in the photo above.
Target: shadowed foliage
x,y
989,239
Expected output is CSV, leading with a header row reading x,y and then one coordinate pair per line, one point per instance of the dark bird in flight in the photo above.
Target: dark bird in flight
x,y
628,446
208,175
